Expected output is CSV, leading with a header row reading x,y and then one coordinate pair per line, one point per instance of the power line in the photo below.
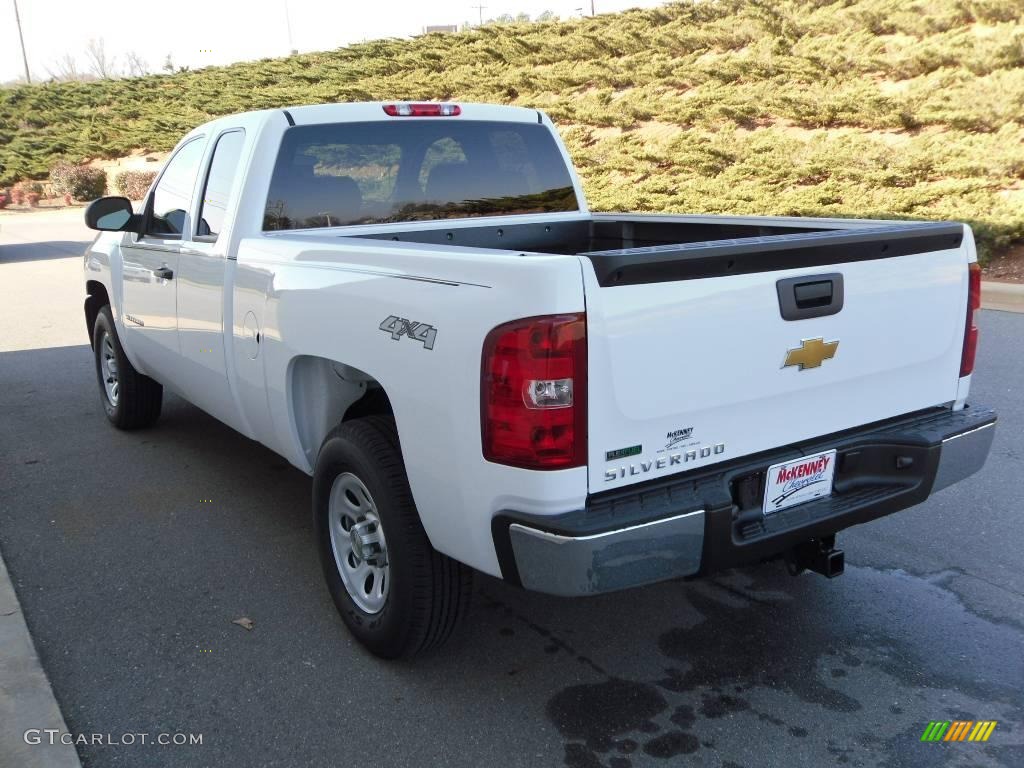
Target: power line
x,y
480,8
24,57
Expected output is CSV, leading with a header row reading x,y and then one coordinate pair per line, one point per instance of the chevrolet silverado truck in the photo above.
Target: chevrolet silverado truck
x,y
413,304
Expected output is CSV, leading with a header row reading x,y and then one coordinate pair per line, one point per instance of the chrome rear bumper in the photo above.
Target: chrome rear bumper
x,y
605,562
963,455
698,522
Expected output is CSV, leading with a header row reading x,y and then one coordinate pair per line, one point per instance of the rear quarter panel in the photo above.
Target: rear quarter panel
x,y
316,297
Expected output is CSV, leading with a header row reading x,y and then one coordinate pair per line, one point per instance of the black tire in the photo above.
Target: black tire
x,y
139,398
428,592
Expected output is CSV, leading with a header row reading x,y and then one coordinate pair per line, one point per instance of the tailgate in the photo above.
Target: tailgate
x,y
686,369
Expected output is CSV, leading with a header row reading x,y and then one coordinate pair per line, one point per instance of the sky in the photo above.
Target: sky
x,y
199,33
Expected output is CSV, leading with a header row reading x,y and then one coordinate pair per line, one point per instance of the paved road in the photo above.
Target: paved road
x,y
130,582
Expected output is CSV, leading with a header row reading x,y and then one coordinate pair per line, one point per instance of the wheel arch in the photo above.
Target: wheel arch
x,y
96,298
323,393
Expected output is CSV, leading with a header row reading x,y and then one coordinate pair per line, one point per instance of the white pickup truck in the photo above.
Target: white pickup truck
x,y
413,304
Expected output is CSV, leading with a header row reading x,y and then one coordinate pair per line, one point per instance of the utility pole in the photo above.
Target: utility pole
x,y
288,24
480,8
24,57
592,11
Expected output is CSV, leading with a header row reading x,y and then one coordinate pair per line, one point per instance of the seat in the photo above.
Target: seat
x,y
455,183
458,182
340,197
311,200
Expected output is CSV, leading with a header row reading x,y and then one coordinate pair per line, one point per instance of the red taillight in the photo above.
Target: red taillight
x,y
423,110
971,330
534,393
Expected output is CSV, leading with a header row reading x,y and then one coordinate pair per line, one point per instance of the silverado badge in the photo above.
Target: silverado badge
x,y
810,353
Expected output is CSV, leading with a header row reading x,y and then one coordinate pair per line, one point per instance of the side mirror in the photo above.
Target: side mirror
x,y
111,214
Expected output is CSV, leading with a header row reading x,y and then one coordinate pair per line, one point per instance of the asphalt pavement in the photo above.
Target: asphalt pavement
x,y
133,553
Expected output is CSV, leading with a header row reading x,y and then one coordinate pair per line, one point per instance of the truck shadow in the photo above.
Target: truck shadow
x,y
51,249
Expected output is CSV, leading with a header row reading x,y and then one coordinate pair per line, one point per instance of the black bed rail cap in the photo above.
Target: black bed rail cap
x,y
720,258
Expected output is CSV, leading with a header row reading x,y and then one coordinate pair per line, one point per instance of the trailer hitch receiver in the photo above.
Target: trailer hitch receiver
x,y
818,555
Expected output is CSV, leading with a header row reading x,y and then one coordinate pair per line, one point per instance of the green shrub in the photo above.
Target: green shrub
x,y
868,108
80,181
134,184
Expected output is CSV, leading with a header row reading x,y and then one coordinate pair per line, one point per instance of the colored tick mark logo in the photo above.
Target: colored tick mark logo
x,y
958,730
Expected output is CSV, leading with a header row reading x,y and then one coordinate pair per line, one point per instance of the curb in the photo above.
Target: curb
x,y
1007,297
26,698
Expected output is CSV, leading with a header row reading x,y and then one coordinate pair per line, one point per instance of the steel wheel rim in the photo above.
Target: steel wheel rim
x,y
108,369
353,521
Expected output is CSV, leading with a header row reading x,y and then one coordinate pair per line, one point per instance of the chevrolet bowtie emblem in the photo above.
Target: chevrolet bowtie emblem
x,y
810,353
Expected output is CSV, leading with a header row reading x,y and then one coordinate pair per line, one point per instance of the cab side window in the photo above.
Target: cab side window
x,y
223,169
173,193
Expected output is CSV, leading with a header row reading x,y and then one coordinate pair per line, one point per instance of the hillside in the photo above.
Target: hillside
x,y
855,108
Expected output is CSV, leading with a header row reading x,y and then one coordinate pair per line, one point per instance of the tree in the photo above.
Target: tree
x,y
100,64
65,68
547,16
135,65
168,66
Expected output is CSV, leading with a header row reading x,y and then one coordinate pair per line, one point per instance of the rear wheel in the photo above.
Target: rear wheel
x,y
130,400
394,591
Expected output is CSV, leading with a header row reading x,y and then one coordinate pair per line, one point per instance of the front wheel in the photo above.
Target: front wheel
x,y
394,591
130,400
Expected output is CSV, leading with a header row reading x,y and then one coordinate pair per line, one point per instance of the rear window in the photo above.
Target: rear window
x,y
414,170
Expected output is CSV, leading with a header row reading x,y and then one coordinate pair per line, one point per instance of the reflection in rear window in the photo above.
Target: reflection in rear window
x,y
414,170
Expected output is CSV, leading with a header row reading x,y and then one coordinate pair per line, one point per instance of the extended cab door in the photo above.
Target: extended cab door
x,y
202,274
150,265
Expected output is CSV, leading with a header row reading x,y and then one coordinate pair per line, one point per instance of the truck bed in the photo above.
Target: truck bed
x,y
638,249
713,357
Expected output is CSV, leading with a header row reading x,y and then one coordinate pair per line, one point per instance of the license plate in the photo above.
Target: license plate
x,y
798,481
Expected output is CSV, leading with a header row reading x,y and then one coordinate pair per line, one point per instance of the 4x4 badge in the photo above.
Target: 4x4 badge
x,y
399,327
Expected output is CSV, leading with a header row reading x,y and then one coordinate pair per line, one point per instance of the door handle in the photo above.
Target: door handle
x,y
165,273
801,298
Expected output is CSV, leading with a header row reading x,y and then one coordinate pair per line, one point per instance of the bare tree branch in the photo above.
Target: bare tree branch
x,y
100,64
135,65
65,68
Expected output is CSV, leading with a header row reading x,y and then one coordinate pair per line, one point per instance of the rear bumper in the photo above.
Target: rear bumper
x,y
699,522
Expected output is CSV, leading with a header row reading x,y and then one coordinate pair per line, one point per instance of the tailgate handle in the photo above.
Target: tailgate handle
x,y
801,298
816,294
